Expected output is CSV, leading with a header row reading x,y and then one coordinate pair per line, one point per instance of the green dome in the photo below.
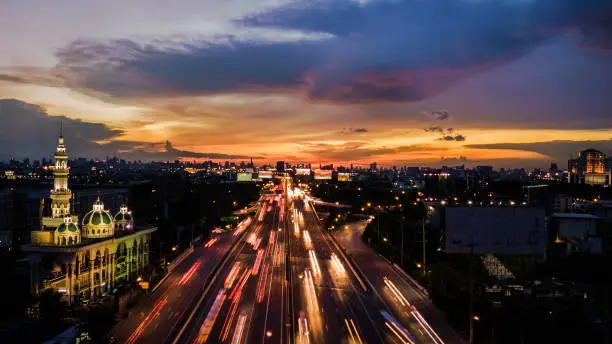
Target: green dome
x,y
95,217
71,227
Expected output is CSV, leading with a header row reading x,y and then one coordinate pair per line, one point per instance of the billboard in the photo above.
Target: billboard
x,y
344,177
265,174
244,177
302,171
323,174
503,230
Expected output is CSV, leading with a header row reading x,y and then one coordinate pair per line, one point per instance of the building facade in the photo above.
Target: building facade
x,y
84,259
590,167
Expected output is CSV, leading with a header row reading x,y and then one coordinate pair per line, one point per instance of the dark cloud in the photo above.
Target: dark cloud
x,y
437,129
441,115
457,137
446,134
559,150
379,51
28,131
348,131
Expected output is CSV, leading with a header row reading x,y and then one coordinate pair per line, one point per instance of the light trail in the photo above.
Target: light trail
x,y
430,331
307,240
314,263
242,226
211,242
189,273
261,284
257,243
311,294
251,239
402,334
147,320
235,296
402,300
211,317
278,255
337,264
238,333
257,264
304,333
238,288
296,228
352,329
229,281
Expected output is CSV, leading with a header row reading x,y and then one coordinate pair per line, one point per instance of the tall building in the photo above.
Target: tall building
x,y
83,262
280,166
590,167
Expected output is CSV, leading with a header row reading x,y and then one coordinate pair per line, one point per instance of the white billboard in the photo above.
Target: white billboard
x,y
503,230
323,174
265,174
302,171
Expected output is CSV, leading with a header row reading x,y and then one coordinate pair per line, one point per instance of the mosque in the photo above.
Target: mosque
x,y
84,259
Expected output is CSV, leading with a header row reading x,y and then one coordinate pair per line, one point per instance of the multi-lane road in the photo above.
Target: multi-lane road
x,y
281,280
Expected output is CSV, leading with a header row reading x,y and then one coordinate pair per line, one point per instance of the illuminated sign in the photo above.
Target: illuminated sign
x,y
302,171
344,177
322,174
265,174
244,177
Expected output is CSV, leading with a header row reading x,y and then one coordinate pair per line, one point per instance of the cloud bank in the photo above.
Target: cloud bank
x,y
380,51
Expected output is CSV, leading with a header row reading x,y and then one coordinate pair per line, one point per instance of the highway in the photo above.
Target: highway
x,y
286,281
246,304
384,277
156,317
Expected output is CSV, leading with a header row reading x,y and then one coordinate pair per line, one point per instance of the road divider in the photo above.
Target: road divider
x,y
211,281
359,275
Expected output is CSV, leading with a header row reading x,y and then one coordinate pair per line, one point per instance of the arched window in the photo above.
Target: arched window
x,y
64,241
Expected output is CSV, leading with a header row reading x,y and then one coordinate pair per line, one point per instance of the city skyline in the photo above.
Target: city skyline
x,y
280,81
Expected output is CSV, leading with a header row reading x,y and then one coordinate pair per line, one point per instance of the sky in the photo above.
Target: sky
x,y
508,83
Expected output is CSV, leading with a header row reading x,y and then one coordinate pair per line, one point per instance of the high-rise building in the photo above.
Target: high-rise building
x,y
590,167
280,166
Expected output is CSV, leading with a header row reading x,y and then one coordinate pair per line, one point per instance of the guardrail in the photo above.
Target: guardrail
x,y
176,261
412,281
354,268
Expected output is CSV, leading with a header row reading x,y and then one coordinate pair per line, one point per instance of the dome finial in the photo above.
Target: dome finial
x,y
62,128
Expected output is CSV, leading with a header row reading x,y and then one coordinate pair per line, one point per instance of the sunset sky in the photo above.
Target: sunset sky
x,y
510,83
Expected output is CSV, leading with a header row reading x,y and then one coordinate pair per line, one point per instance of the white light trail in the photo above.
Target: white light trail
x,y
395,291
307,240
337,264
430,331
352,329
314,263
238,333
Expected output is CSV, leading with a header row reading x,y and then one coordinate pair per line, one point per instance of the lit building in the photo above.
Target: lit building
x,y
591,167
84,262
